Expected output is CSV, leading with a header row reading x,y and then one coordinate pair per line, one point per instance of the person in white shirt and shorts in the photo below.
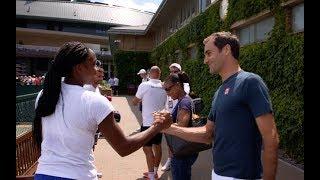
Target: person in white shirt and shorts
x,y
153,98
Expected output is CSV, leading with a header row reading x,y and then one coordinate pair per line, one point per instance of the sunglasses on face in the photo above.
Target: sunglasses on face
x,y
98,63
175,71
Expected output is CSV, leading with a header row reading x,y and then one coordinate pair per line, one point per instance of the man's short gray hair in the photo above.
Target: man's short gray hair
x,y
223,38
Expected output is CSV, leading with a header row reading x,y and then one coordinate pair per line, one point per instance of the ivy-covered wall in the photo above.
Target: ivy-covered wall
x,y
279,61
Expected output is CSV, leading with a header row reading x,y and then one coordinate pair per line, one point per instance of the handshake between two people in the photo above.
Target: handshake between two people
x,y
162,119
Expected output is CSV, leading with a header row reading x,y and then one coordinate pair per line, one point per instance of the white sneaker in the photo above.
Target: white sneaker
x,y
99,174
138,130
166,166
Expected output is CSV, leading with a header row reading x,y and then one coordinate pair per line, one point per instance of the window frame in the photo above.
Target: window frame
x,y
254,24
292,15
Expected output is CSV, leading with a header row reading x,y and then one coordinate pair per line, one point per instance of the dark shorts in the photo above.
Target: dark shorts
x,y
96,138
115,88
156,140
140,107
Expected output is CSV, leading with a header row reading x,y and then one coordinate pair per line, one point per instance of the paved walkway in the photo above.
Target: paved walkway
x,y
115,167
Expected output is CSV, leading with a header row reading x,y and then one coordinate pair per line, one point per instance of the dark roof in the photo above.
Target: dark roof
x,y
49,52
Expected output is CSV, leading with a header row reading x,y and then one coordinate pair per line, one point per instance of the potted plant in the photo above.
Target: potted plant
x,y
105,88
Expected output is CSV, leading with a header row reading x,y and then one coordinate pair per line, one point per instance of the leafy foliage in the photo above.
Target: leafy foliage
x,y
128,64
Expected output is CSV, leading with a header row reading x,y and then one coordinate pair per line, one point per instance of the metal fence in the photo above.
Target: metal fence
x,y
25,110
27,89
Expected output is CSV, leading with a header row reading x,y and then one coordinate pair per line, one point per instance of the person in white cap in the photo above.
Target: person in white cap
x,y
174,68
143,75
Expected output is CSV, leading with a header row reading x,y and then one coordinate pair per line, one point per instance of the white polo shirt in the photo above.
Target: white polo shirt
x,y
68,133
116,81
170,103
145,79
153,99
89,87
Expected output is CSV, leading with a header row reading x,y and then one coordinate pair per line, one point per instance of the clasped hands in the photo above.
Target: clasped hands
x,y
162,119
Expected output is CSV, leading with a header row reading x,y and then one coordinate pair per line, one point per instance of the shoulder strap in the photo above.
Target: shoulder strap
x,y
175,107
192,106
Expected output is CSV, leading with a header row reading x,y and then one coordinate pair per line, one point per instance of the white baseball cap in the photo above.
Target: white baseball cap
x,y
175,65
142,71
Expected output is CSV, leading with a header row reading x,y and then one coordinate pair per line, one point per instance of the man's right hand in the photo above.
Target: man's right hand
x,y
162,119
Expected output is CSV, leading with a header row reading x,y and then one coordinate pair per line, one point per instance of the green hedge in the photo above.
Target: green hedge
x,y
279,61
128,64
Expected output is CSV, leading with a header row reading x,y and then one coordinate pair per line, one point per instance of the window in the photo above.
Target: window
x,y
50,26
60,27
244,35
100,29
208,2
255,32
204,4
80,28
298,18
192,52
263,28
36,26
